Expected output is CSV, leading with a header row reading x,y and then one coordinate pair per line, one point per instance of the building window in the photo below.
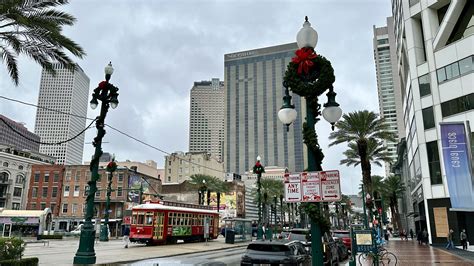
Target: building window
x,y
76,191
54,193
466,65
53,207
20,167
56,177
45,192
433,162
428,118
120,177
43,206
19,179
64,210
17,192
455,69
97,194
34,192
68,176
66,191
119,191
74,208
15,206
37,177
78,176
46,178
169,178
5,164
424,84
458,105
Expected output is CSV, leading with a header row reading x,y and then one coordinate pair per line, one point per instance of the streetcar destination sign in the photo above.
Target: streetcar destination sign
x,y
321,186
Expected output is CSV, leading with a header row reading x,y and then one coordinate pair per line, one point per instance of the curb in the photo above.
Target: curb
x,y
171,255
452,253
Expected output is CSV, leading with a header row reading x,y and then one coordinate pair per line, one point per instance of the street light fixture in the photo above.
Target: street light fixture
x,y
108,95
310,86
258,169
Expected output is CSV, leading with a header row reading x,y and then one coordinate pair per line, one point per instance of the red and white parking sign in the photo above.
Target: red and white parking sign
x,y
312,186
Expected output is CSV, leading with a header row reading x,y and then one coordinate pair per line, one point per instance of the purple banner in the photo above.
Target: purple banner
x,y
457,165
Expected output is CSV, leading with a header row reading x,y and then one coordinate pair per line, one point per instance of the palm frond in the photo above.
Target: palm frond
x,y
10,60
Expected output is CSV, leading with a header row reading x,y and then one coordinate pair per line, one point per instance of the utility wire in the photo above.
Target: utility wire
x,y
46,143
111,127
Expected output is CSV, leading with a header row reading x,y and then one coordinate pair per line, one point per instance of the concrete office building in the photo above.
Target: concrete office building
x,y
388,87
435,50
67,92
253,97
180,166
26,141
206,122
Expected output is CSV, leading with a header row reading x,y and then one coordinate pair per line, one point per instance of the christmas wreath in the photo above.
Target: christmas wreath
x,y
111,166
258,168
309,74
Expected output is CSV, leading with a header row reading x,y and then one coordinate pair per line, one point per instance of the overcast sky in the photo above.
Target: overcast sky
x,y
159,48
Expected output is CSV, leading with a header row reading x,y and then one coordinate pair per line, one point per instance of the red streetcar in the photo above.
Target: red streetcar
x,y
167,222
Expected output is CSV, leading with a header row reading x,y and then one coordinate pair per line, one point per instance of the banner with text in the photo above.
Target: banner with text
x,y
456,156
312,186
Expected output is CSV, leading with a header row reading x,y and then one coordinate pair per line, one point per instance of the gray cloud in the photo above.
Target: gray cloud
x,y
159,48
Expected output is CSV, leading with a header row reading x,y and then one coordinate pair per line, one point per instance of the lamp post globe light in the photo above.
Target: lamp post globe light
x,y
108,95
309,75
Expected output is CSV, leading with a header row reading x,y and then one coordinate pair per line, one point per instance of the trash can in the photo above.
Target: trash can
x,y
229,236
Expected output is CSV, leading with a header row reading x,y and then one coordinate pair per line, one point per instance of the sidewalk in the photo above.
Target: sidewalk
x,y
411,253
61,252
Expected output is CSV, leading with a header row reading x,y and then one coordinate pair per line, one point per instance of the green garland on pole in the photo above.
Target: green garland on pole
x,y
309,75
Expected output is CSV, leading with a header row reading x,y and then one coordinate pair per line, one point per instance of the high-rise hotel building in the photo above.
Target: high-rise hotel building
x,y
435,52
206,123
388,87
253,97
67,91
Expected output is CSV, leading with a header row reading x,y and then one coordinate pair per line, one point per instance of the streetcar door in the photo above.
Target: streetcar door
x,y
158,227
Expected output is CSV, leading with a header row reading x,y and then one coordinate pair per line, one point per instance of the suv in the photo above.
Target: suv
x,y
329,249
290,253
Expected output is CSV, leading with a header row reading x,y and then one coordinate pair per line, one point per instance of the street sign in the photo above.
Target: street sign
x,y
311,186
292,187
330,185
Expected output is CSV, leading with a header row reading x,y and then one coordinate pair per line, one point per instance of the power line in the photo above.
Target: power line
x,y
46,143
111,127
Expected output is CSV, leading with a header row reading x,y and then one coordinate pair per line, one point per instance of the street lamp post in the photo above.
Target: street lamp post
x,y
259,169
104,230
107,94
311,87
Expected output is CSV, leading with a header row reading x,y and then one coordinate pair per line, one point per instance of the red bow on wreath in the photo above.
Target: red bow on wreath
x,y
102,84
304,58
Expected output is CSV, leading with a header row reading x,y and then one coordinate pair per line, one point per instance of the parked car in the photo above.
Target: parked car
x,y
342,251
344,236
329,248
276,252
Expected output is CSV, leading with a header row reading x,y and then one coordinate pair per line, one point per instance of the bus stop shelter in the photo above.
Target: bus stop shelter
x,y
237,230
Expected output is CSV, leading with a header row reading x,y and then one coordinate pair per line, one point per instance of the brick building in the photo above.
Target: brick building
x,y
45,185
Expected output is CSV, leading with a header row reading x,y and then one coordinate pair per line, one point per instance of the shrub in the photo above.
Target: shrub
x,y
50,237
21,262
11,248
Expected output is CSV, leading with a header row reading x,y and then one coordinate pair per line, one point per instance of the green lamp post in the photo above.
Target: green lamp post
x,y
104,229
309,75
258,169
108,95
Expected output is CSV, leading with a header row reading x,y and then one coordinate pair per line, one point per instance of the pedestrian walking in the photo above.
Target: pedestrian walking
x,y
425,235
126,236
450,244
419,237
411,233
463,237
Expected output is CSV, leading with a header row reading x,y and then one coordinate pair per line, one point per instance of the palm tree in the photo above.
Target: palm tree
x,y
270,188
393,190
362,128
202,183
376,152
34,29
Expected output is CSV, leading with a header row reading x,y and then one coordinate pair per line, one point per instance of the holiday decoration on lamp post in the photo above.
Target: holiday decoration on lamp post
x,y
108,95
104,230
309,75
258,169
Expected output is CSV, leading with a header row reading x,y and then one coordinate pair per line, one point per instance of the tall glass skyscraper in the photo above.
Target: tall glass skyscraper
x,y
388,85
68,92
253,97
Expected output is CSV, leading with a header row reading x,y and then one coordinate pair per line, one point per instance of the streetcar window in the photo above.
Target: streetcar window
x,y
134,219
149,219
141,219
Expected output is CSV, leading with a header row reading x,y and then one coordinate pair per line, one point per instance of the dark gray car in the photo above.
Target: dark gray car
x,y
276,253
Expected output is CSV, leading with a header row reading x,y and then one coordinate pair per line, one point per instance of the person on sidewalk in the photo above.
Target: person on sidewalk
x,y
463,237
411,233
450,244
126,236
424,235
419,237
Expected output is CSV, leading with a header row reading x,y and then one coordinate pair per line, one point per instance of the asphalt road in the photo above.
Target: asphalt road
x,y
210,258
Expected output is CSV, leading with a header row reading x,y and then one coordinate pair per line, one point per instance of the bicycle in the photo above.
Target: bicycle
x,y
382,256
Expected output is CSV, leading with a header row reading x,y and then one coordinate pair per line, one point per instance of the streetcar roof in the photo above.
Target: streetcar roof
x,y
155,206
